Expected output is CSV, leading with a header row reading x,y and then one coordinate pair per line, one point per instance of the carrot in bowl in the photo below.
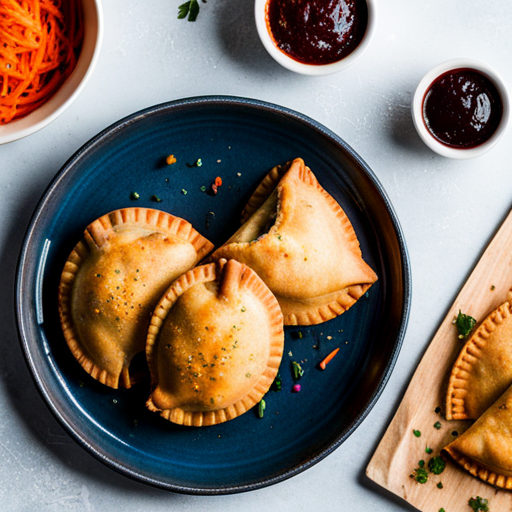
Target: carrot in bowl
x,y
40,41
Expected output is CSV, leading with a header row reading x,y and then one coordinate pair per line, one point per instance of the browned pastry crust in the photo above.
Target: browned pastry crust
x,y
483,369
214,345
298,239
113,279
485,449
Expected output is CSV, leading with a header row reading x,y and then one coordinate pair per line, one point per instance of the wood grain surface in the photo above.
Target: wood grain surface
x,y
400,450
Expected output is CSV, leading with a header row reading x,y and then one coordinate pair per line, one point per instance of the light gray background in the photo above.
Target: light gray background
x,y
448,209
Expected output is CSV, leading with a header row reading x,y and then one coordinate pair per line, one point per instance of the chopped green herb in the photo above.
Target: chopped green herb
x,y
428,449
442,510
248,375
243,310
134,195
277,384
493,288
440,485
436,465
421,463
420,475
479,504
189,10
437,410
117,271
416,433
156,199
298,372
437,425
464,324
203,188
184,192
261,408
198,163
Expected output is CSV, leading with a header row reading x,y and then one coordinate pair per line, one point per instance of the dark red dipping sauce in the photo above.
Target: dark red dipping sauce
x,y
317,31
462,108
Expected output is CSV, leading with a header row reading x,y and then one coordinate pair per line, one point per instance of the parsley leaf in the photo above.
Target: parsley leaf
x,y
436,465
479,504
420,475
464,324
189,10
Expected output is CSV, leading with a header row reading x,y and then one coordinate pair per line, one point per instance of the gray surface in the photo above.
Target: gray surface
x,y
448,210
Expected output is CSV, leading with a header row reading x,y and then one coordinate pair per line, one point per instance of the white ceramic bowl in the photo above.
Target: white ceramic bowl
x,y
70,89
260,14
417,108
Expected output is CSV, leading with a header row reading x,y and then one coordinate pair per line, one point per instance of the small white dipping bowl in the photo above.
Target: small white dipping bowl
x,y
260,14
419,96
70,89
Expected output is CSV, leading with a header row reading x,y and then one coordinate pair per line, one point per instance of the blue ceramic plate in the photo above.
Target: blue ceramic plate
x,y
239,140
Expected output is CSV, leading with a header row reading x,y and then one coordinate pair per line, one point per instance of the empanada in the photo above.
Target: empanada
x,y
483,369
485,449
113,279
214,345
297,238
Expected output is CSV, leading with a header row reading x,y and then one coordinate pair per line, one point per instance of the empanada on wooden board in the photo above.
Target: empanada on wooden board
x,y
298,239
214,345
485,448
399,451
483,370
113,279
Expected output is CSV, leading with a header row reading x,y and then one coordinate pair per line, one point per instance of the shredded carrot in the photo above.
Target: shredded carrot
x,y
40,41
328,359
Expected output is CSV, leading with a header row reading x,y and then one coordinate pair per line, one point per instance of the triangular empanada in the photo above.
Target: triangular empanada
x,y
485,449
113,279
483,369
297,238
214,345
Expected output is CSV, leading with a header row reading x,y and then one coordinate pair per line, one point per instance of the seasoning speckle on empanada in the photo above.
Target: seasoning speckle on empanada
x,y
298,239
112,281
214,345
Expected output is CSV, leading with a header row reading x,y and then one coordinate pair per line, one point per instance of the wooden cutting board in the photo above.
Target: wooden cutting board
x,y
400,450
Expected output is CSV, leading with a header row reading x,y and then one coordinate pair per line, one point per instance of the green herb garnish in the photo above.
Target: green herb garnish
x,y
298,372
420,475
190,9
442,510
156,199
134,195
479,504
464,324
277,384
261,408
436,465
428,449
440,485
416,433
437,425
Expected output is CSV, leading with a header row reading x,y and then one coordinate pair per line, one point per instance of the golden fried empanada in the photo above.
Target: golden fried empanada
x,y
297,238
214,345
113,279
483,370
485,449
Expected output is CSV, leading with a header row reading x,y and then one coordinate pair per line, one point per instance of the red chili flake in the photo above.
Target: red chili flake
x,y
218,181
214,188
296,388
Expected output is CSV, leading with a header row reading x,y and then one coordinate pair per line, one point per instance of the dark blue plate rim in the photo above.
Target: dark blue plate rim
x,y
120,125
